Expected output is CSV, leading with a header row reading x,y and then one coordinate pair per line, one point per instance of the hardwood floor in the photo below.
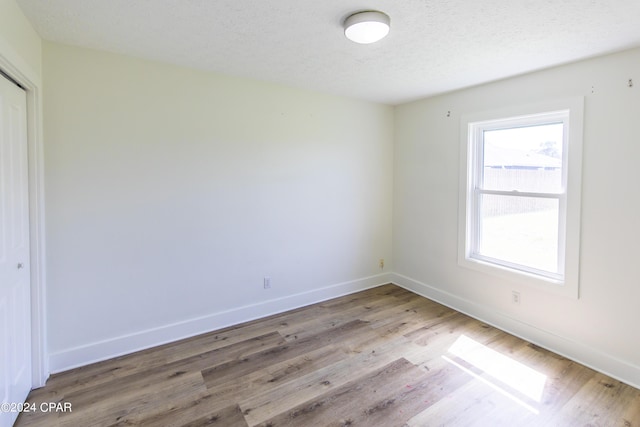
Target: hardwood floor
x,y
382,357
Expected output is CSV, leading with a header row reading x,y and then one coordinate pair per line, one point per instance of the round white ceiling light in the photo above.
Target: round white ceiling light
x,y
366,27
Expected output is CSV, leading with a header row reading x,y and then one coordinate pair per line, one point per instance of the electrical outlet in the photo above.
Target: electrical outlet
x,y
515,297
267,282
381,263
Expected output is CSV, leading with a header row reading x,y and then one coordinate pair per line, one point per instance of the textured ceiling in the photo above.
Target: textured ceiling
x,y
434,46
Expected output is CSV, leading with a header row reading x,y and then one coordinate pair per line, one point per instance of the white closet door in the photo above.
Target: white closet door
x,y
15,289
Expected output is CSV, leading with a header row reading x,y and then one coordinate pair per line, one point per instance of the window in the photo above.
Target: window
x,y
520,194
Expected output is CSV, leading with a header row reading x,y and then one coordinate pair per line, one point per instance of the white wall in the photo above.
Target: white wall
x,y
18,40
171,193
602,327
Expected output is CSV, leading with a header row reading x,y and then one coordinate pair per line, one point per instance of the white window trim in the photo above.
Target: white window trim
x,y
569,285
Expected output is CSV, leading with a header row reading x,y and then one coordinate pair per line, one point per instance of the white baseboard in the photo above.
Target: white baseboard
x,y
118,346
583,354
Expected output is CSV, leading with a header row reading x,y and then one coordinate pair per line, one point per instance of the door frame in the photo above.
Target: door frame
x,y
12,64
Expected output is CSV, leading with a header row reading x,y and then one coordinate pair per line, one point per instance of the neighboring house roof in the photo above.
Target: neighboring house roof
x,y
498,157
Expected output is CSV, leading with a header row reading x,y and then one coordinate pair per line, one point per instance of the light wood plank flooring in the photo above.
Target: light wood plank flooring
x,y
382,357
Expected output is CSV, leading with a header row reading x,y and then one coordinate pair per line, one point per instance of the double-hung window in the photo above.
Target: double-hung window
x,y
520,193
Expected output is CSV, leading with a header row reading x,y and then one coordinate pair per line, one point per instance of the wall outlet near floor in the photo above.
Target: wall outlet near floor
x,y
515,297
381,263
267,282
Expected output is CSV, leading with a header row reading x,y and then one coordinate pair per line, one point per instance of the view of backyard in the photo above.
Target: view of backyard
x,y
518,228
528,238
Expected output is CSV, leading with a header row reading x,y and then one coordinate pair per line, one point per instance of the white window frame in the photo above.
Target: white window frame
x,y
568,111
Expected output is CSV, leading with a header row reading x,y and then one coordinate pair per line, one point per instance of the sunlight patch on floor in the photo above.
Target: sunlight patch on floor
x,y
514,374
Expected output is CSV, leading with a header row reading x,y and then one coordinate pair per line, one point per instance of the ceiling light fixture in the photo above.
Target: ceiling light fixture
x,y
366,27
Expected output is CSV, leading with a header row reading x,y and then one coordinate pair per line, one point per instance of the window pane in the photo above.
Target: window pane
x,y
520,230
524,159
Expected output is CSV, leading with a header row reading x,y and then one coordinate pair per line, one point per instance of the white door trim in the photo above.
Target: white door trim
x,y
12,64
